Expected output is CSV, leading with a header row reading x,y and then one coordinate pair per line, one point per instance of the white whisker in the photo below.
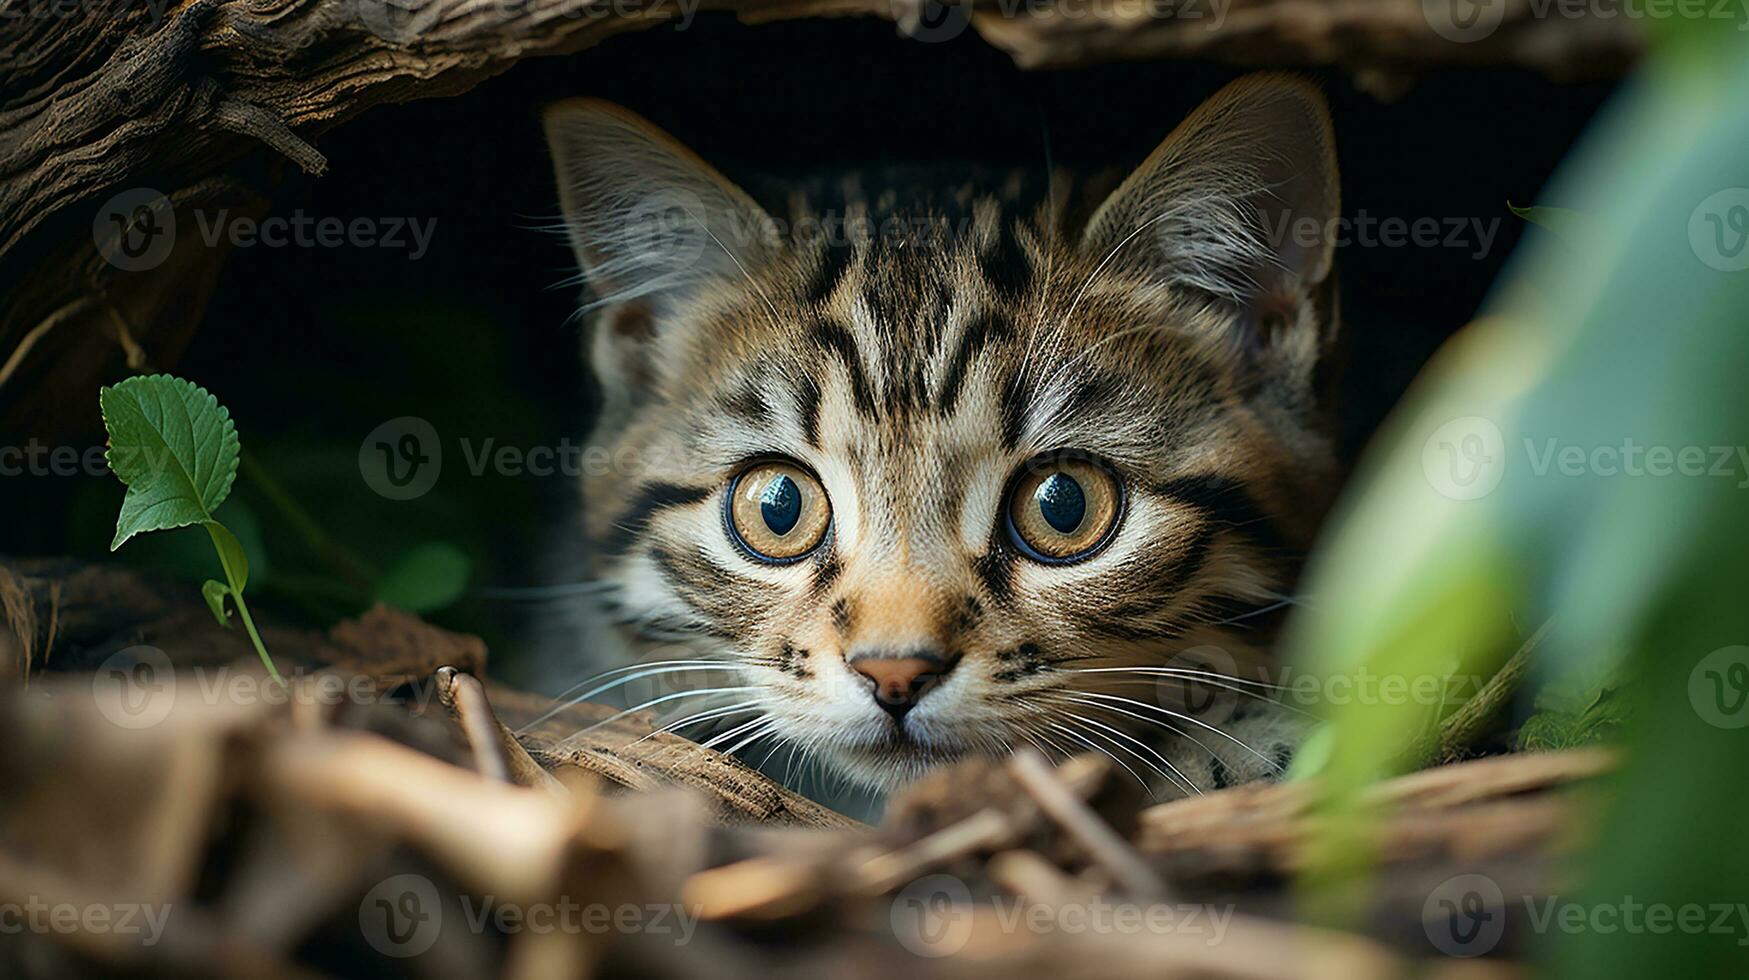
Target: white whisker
x,y
652,669
634,709
1171,773
1080,739
1184,717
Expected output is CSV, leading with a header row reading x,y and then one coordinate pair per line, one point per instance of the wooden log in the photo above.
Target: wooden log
x,y
100,611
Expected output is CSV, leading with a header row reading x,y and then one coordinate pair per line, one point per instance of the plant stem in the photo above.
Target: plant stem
x,y
234,581
1477,715
254,637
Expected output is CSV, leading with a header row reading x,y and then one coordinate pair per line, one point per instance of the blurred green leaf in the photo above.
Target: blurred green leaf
x,y
427,578
1517,481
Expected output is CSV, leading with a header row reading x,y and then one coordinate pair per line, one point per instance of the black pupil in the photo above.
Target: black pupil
x,y
1061,502
781,505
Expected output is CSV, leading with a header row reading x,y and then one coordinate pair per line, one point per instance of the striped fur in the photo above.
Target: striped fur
x,y
915,357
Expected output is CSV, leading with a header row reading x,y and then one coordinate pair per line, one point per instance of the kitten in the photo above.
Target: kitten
x,y
935,486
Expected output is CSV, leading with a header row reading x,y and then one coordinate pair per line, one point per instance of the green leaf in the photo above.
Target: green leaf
x,y
231,555
175,448
425,579
187,556
1632,335
215,593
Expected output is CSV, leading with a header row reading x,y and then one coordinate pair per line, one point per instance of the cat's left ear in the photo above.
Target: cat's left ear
x,y
650,221
654,227
1238,203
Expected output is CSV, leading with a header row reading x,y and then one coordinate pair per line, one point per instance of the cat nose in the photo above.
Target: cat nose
x,y
899,682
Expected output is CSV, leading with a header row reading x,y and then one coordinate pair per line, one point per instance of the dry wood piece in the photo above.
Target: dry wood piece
x,y
438,806
466,701
1110,851
985,830
1376,38
761,888
286,843
1030,875
628,752
1487,809
346,823
386,655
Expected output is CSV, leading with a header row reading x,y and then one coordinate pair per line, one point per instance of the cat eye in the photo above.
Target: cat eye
x,y
776,511
1063,509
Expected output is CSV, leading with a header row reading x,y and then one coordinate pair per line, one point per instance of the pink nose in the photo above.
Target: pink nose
x,y
899,681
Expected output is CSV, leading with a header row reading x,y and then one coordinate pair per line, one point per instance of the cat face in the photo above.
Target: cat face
x,y
940,486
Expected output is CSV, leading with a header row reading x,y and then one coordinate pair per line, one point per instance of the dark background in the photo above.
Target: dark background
x,y
312,348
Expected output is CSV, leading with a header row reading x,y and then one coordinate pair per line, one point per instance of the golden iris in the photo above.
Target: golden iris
x,y
1062,510
777,511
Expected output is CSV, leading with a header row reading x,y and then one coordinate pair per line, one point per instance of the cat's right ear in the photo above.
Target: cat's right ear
x,y
651,225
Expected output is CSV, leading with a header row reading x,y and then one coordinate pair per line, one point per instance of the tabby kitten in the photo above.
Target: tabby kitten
x,y
937,488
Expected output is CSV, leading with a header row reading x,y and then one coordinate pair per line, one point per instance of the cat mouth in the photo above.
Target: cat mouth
x,y
897,744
